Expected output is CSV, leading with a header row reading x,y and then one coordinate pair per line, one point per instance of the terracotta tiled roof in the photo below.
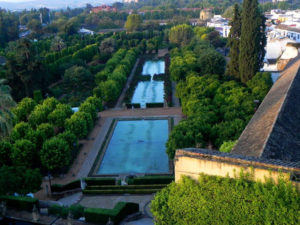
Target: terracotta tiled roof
x,y
288,28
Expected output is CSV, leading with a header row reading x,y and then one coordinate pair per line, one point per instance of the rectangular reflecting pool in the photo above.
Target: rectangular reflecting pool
x,y
136,146
153,67
149,92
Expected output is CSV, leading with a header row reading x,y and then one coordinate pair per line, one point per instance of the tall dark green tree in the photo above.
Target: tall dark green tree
x,y
234,43
253,40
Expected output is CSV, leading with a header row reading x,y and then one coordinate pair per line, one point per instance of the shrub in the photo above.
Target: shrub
x,y
150,180
119,212
100,181
218,200
57,210
65,187
20,203
154,105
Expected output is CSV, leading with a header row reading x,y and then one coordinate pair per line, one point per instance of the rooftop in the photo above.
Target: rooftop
x,y
274,131
288,28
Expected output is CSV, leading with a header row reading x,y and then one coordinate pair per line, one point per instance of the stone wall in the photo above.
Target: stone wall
x,y
192,162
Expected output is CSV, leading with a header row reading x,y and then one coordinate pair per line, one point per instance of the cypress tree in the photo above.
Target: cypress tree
x,y
234,44
253,40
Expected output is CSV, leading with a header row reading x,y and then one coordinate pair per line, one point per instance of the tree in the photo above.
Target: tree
x,y
57,44
19,180
58,116
133,22
6,102
109,90
5,152
108,46
76,75
46,130
20,130
88,108
253,40
24,108
35,25
181,34
234,44
23,153
78,125
212,62
71,26
70,138
260,85
55,154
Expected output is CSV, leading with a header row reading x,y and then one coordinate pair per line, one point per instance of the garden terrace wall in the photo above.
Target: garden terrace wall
x,y
192,162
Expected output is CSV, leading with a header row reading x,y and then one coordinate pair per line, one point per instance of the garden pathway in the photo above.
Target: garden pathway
x,y
122,96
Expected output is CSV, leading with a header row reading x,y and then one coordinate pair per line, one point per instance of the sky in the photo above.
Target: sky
x,y
52,4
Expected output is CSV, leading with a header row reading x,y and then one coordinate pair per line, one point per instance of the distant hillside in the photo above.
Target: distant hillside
x,y
51,4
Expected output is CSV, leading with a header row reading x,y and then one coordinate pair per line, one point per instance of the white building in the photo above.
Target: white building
x,y
220,24
291,32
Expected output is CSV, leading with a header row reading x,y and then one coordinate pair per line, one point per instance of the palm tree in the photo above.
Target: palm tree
x,y
6,102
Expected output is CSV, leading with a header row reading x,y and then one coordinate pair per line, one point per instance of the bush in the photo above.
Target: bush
x,y
65,187
58,210
154,105
218,200
150,180
77,211
134,105
20,203
100,181
119,212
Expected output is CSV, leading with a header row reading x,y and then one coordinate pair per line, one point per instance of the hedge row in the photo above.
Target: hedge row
x,y
154,105
134,105
150,180
65,187
159,77
121,191
77,211
100,181
20,203
120,187
117,214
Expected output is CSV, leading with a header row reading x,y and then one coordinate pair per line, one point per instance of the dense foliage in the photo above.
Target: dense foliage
x,y
217,108
216,200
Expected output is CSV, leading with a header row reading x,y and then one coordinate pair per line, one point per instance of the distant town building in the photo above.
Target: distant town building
x,y
86,31
103,8
220,24
290,32
206,14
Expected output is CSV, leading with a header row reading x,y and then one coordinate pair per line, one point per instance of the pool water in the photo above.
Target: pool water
x,y
137,146
150,91
153,67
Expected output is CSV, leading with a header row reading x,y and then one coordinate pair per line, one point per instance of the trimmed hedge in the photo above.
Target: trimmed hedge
x,y
100,181
120,191
77,211
20,203
159,77
135,105
154,105
65,187
118,187
150,180
117,214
